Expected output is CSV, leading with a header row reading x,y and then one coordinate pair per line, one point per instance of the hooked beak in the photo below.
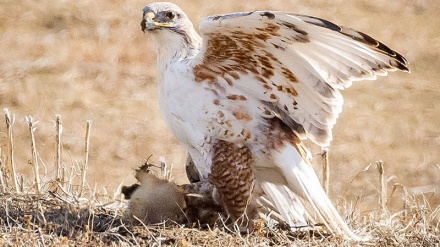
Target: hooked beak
x,y
148,22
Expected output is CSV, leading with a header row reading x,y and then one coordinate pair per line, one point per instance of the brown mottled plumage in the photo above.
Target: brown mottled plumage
x,y
232,175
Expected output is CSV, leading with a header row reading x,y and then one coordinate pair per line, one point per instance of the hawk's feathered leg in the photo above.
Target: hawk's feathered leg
x,y
233,178
191,171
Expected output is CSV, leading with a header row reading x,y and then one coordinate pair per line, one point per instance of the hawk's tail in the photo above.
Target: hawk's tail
x,y
302,181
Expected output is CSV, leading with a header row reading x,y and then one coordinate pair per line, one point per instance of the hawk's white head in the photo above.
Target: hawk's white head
x,y
171,30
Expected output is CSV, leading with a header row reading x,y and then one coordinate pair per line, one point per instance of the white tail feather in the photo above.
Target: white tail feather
x,y
303,181
288,206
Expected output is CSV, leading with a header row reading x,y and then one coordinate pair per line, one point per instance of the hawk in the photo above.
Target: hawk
x,y
243,95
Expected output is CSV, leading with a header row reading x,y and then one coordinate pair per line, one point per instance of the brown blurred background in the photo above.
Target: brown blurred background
x,y
89,60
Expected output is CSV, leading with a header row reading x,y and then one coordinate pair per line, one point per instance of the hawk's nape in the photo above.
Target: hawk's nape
x,y
242,97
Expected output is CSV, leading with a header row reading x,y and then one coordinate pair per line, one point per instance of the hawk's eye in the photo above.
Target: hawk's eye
x,y
170,15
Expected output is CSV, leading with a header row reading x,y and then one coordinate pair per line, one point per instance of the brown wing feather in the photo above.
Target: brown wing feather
x,y
296,63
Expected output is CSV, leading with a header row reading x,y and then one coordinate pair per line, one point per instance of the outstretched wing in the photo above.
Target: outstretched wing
x,y
294,64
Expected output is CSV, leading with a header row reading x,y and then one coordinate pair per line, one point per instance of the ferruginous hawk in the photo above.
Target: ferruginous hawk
x,y
242,96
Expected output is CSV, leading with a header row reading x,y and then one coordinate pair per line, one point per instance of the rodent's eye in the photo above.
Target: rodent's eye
x,y
170,15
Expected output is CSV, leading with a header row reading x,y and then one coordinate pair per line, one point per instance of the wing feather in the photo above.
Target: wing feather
x,y
295,63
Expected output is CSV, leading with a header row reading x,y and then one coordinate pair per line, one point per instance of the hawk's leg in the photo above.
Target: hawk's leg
x,y
233,177
191,171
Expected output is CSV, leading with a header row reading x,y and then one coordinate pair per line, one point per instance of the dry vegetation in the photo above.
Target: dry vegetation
x,y
88,60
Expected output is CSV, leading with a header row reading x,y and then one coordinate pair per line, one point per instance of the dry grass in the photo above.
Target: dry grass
x,y
88,60
66,211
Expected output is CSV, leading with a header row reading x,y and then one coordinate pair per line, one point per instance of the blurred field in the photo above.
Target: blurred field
x,y
88,60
